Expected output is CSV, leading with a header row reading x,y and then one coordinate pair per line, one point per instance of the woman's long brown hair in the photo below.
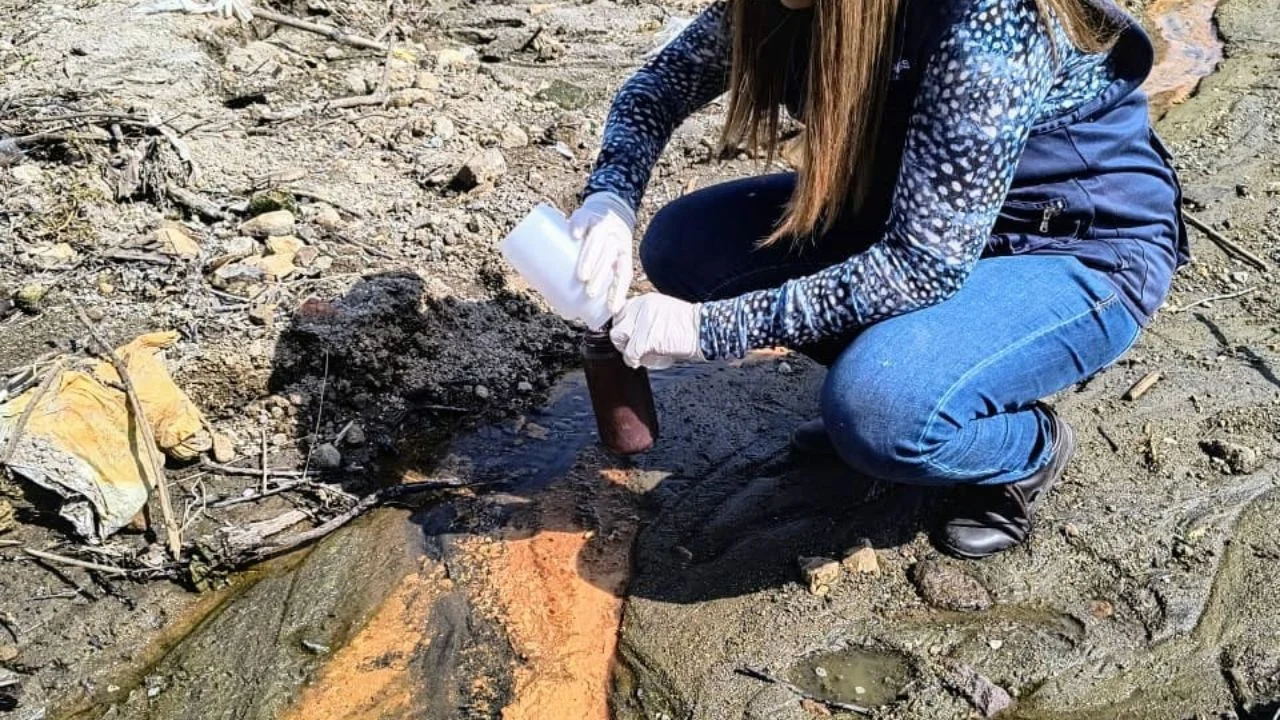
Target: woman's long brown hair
x,y
850,53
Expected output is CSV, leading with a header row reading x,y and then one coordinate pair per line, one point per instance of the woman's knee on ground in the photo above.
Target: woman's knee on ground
x,y
882,418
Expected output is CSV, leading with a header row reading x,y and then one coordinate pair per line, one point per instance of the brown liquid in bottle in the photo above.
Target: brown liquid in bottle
x,y
620,396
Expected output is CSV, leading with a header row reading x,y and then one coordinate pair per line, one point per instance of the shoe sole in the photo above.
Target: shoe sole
x,y
1066,436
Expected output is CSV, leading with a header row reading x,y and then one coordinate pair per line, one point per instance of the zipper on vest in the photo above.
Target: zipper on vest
x,y
1052,211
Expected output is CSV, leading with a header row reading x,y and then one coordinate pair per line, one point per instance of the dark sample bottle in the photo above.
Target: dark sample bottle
x,y
620,396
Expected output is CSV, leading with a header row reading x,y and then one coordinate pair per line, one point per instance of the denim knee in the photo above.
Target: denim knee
x,y
883,418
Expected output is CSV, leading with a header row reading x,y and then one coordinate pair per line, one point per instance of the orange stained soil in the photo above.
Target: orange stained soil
x,y
560,591
1187,49
368,678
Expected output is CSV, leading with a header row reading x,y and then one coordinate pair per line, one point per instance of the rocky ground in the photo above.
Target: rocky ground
x,y
575,586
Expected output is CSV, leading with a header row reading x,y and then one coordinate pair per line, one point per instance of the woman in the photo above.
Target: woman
x,y
983,217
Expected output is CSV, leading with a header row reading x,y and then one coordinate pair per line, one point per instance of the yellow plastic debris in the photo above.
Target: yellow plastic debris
x,y
80,442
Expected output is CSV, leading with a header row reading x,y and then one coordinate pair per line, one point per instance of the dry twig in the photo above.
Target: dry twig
x,y
1141,387
1227,244
333,33
154,465
62,560
1215,298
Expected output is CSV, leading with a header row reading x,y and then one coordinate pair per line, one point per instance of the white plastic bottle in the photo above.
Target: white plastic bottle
x,y
546,256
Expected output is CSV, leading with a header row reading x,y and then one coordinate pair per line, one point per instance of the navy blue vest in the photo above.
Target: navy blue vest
x,y
1096,184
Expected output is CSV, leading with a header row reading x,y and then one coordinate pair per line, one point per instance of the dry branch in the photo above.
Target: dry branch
x,y
1227,244
335,34
11,446
51,557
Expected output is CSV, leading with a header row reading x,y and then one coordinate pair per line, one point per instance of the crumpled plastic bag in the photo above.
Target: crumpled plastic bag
x,y
80,441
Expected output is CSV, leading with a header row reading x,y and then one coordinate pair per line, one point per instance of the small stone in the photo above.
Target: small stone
x,y
326,217
234,274
412,96
995,644
815,708
356,83
273,267
266,201
536,431
443,128
949,588
240,247
987,697
483,392
333,52
284,245
455,57
323,263
1102,609
513,136
684,553
1070,530
224,451
30,298
174,240
859,690
863,561
820,671
56,255
315,648
95,314
307,256
1239,277
482,169
524,386
7,521
8,653
820,573
27,174
105,288
278,222
785,368
355,435
427,81
1239,459
263,314
327,456
565,94
402,69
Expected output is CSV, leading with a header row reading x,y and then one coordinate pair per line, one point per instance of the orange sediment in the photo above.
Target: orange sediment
x,y
368,678
560,593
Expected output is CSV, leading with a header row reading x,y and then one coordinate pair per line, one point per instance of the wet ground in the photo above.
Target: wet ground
x,y
576,585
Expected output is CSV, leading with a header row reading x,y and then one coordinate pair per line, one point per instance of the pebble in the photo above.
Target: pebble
x,y
327,456
356,83
8,653
326,217
27,174
30,298
995,644
95,314
482,169
455,57
402,69
785,368
427,81
483,392
333,52
949,587
278,222
1240,277
863,561
174,240
859,690
820,671
224,450
524,386
263,314
820,573
444,128
513,136
355,435
1070,530
1239,459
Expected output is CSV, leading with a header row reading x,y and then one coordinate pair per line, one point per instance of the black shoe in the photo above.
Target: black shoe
x,y
991,518
811,439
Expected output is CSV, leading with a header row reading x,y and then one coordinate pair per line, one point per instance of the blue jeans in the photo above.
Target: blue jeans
x,y
942,396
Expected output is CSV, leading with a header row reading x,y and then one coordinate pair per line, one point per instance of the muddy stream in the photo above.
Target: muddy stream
x,y
508,604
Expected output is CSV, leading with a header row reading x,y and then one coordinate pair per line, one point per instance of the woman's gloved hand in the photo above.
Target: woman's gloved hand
x,y
655,331
605,225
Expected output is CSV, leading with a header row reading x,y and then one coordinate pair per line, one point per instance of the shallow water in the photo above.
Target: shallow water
x,y
855,676
1188,49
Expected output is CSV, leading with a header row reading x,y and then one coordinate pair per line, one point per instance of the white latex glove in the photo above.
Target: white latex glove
x,y
656,330
605,225
229,8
